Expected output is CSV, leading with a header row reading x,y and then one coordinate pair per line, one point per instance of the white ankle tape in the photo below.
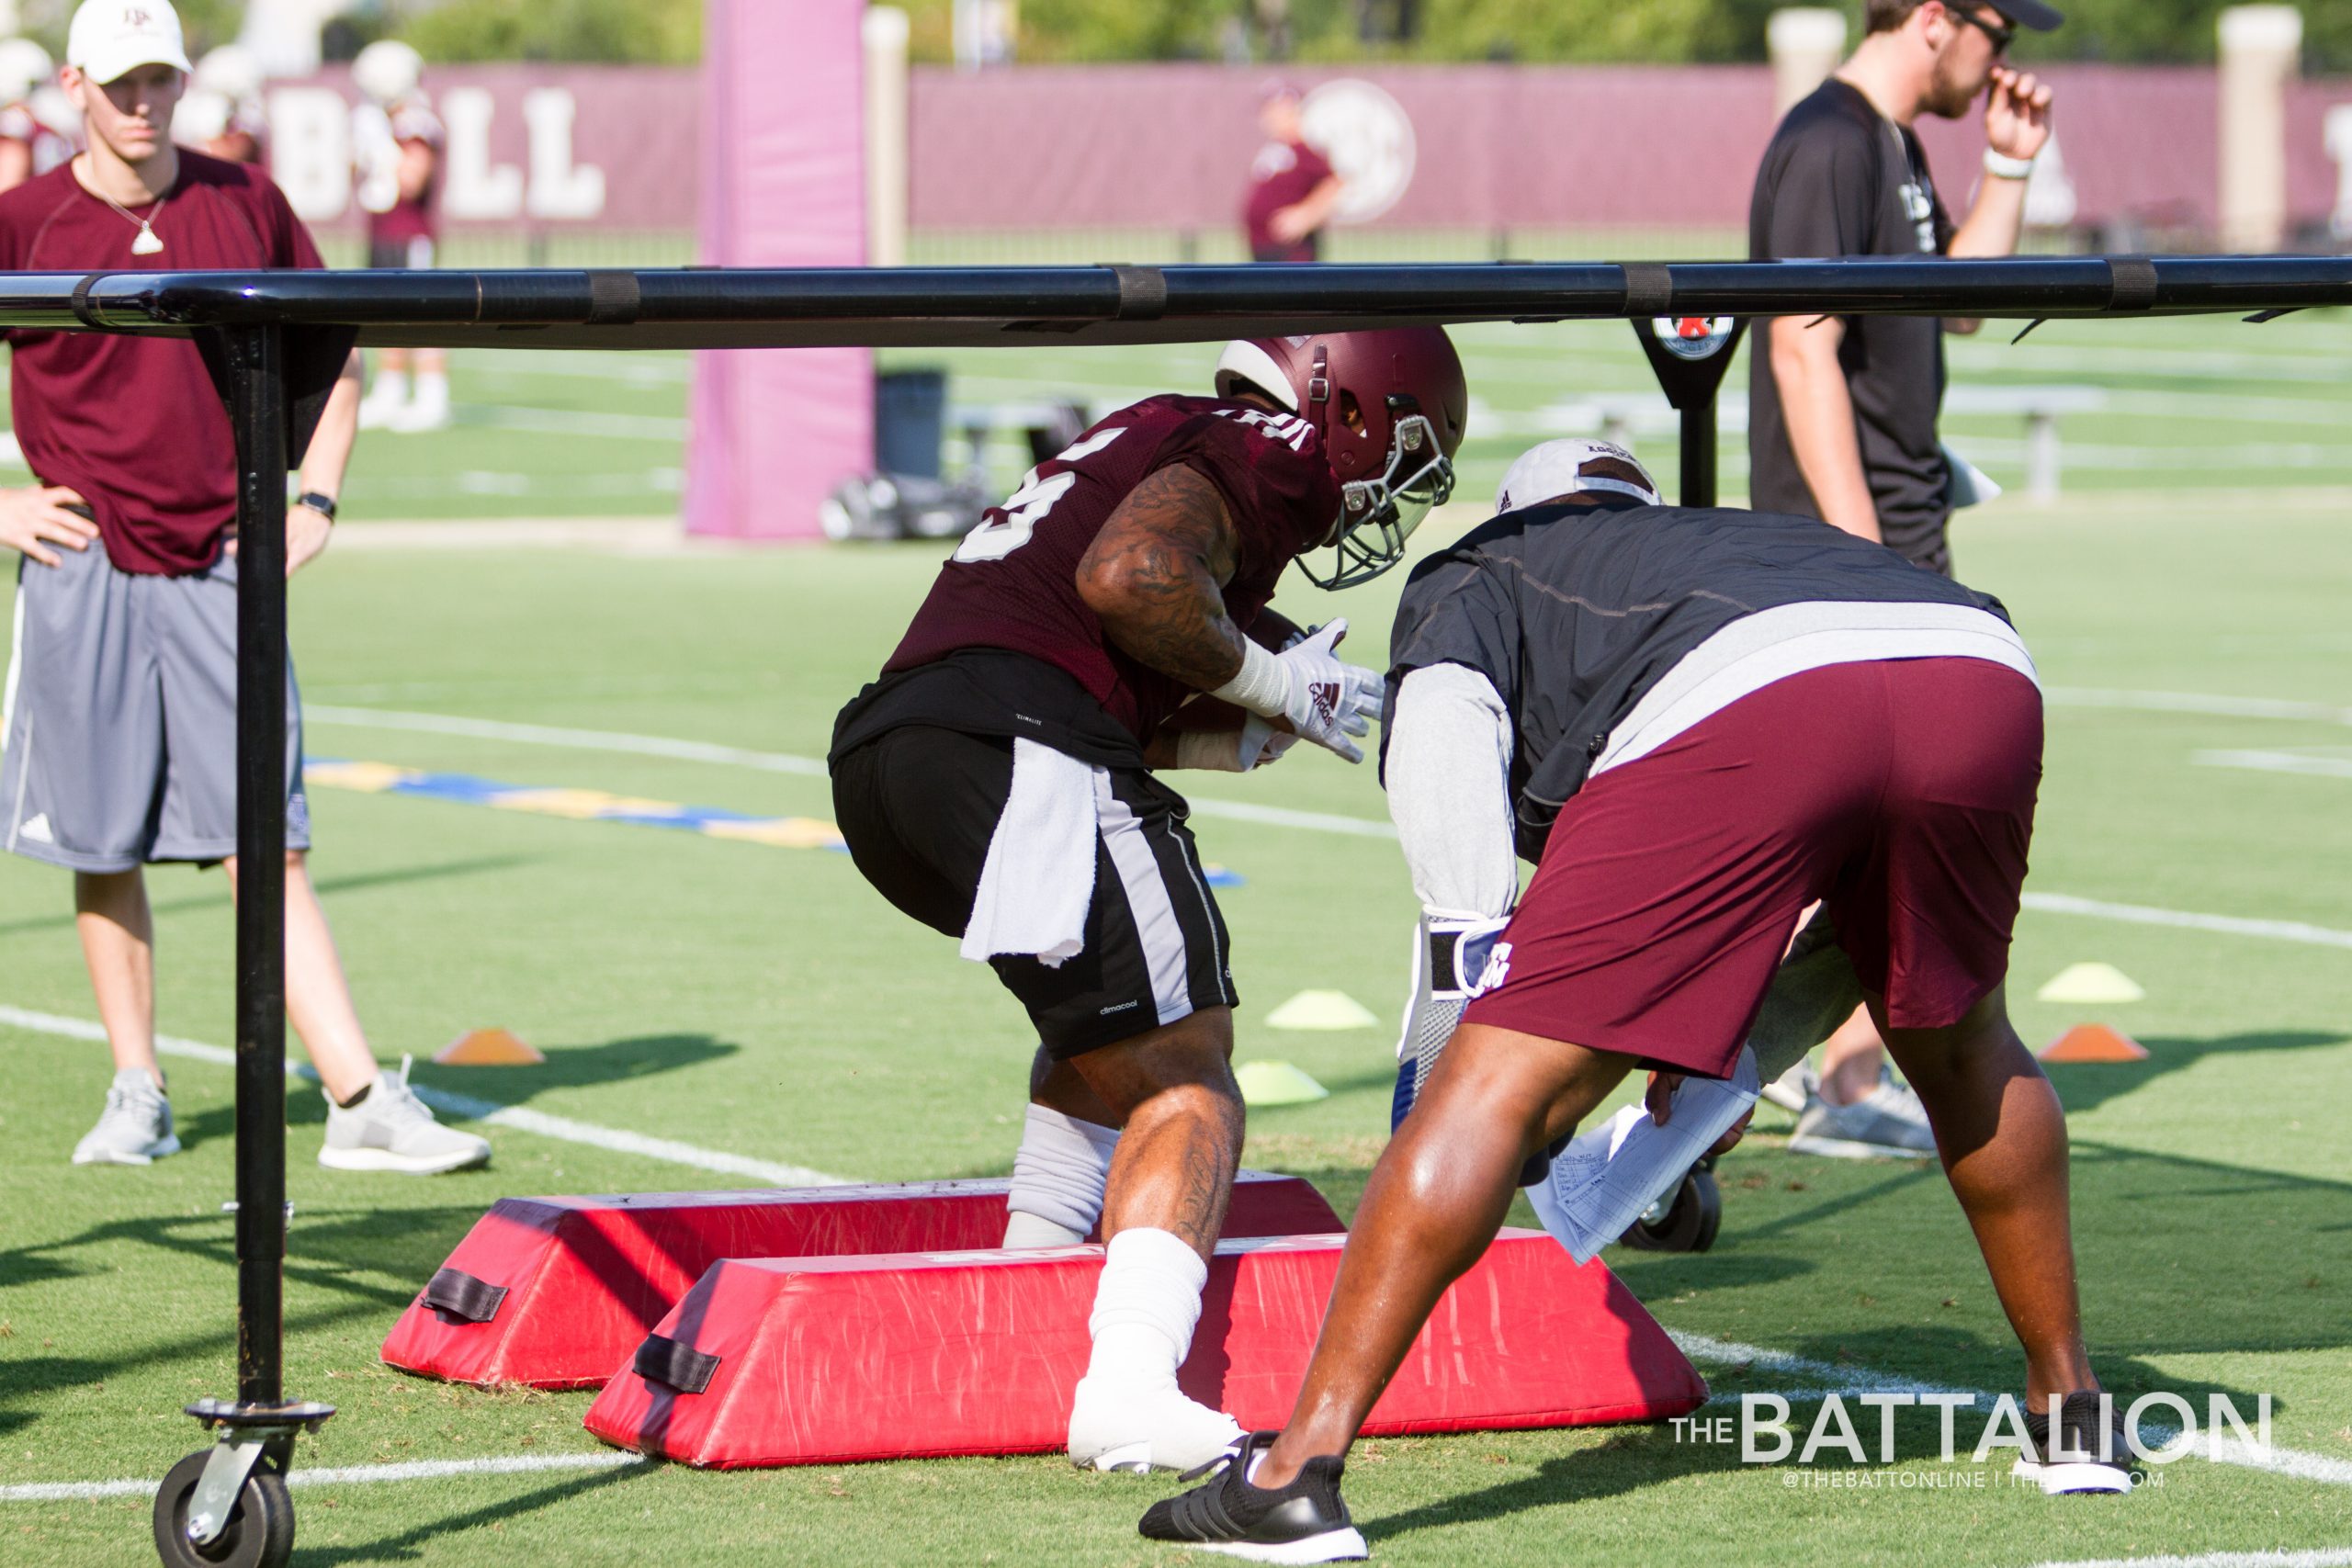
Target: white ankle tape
x,y
1147,1306
1059,1175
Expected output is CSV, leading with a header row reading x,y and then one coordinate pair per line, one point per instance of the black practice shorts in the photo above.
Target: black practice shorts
x,y
918,806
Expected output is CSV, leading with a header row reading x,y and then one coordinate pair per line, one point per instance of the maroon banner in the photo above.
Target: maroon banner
x,y
1503,147
568,146
1170,146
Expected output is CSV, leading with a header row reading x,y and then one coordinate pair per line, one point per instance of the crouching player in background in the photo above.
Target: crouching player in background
x,y
997,784
1697,723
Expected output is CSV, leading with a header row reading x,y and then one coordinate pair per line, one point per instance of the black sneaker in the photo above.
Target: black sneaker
x,y
2080,1461
1305,1521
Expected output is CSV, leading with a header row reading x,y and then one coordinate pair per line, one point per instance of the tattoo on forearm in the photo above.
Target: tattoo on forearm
x,y
1156,574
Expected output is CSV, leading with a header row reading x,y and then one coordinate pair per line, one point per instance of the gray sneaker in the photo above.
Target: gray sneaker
x,y
1887,1122
134,1128
393,1129
1793,1090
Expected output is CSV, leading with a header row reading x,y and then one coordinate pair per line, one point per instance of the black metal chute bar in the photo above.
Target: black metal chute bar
x,y
962,307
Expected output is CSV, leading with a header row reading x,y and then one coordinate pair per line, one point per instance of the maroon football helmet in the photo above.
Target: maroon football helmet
x,y
1389,407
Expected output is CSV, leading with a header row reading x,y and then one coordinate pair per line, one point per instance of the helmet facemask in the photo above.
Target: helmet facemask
x,y
1377,515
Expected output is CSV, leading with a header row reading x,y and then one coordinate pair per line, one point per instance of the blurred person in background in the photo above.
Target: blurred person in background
x,y
120,724
1843,422
29,144
1292,189
222,114
396,142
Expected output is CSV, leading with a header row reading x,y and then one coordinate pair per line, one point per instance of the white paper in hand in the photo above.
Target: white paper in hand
x,y
1600,1184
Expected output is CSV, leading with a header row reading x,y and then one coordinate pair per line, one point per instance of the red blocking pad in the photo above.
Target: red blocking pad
x,y
555,1292
816,1361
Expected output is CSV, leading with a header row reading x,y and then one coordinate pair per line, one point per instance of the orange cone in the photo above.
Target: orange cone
x,y
487,1048
2093,1043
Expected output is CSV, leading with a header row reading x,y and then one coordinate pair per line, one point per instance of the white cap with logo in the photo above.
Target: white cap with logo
x,y
111,38
1556,468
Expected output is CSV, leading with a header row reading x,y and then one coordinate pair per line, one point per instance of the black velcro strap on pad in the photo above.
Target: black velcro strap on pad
x,y
613,299
1444,946
2134,281
674,1363
1649,289
461,1295
1143,293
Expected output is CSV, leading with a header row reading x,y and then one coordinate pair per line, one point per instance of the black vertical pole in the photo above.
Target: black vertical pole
x,y
1699,452
257,412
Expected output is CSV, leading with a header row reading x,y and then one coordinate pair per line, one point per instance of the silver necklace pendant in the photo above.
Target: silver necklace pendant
x,y
147,244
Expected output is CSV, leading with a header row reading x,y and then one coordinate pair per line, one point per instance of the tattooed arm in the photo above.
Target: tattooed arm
x,y
1155,575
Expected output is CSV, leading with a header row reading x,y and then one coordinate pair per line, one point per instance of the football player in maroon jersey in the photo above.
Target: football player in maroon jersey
x,y
999,783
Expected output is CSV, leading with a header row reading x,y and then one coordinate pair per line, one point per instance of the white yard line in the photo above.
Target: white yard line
x,y
514,1118
572,739
2324,1557
2228,925
345,1475
2277,762
1356,826
2217,705
2294,1463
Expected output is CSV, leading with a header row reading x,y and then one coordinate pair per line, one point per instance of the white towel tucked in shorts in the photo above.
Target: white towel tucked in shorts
x,y
1038,881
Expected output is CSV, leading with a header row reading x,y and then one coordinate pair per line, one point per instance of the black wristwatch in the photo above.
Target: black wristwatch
x,y
321,504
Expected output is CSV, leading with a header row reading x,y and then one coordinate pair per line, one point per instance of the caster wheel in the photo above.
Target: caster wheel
x,y
1686,1223
261,1526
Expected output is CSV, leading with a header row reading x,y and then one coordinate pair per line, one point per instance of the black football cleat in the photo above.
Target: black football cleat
x,y
1305,1521
2090,1455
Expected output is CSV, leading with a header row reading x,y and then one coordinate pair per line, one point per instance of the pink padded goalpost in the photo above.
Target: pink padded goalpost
x,y
783,185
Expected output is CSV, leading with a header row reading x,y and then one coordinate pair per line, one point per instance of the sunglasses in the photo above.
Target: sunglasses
x,y
2001,34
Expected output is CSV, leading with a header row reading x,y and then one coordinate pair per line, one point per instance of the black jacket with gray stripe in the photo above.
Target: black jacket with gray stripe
x,y
1575,611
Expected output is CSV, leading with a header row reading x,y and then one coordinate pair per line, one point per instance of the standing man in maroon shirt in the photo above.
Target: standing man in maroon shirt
x,y
1293,191
998,781
121,697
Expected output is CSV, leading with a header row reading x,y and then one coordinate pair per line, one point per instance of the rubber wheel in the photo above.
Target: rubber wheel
x,y
261,1525
1689,1222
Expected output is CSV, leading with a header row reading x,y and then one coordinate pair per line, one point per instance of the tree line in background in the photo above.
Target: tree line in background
x,y
1317,32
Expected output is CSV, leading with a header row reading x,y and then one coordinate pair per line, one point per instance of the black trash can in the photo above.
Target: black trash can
x,y
909,422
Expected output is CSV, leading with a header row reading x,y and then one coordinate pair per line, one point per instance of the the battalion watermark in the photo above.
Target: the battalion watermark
x,y
1831,1450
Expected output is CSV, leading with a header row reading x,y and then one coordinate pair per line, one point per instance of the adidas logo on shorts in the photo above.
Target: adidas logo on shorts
x,y
38,830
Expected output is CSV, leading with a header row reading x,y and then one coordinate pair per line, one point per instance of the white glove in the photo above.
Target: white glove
x,y
1325,700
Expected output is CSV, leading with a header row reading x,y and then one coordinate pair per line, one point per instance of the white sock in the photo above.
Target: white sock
x,y
433,392
391,388
1146,1308
1058,1177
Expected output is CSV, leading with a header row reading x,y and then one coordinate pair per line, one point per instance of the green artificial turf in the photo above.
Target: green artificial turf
x,y
764,1001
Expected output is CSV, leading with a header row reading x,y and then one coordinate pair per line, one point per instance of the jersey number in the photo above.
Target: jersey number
x,y
1018,518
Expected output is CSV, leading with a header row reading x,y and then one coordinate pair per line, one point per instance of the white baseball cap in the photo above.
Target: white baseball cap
x,y
1556,468
111,38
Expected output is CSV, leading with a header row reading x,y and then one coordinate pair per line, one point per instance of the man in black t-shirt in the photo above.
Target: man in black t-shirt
x,y
1842,423
1842,410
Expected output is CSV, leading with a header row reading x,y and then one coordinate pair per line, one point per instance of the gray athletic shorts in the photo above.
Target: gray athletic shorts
x,y
120,735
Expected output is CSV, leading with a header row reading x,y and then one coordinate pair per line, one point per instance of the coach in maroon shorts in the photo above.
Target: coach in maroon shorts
x,y
1698,724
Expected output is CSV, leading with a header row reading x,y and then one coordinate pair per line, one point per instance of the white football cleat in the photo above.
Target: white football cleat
x,y
1135,1430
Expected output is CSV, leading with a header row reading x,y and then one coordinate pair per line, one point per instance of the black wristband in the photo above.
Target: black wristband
x,y
317,501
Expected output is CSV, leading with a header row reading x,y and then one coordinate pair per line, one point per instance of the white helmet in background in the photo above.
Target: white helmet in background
x,y
24,65
388,70
202,118
232,71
